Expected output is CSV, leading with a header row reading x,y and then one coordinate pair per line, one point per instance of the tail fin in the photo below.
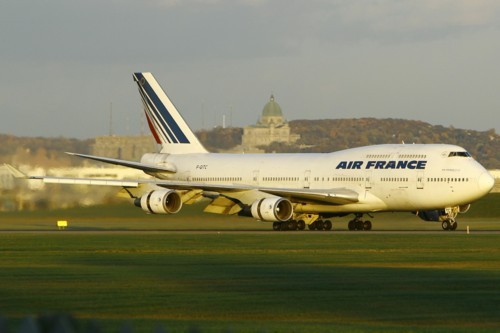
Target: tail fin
x,y
167,125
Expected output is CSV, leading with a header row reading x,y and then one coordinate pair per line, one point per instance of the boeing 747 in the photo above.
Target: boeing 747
x,y
292,191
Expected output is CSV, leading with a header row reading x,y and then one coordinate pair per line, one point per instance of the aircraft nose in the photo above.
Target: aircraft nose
x,y
486,182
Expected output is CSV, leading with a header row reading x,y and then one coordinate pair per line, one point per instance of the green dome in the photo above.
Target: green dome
x,y
272,109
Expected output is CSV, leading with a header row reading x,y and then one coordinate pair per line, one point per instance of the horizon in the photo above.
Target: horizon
x,y
230,126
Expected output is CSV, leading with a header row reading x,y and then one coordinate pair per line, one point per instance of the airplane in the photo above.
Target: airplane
x,y
292,191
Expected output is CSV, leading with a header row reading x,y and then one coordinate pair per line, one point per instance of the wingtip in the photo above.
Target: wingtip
x,y
16,173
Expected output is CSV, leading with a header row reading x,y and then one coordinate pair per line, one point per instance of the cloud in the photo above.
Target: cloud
x,y
181,30
413,20
234,51
189,3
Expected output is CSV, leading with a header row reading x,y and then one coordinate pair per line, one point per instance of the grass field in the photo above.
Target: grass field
x,y
251,282
278,282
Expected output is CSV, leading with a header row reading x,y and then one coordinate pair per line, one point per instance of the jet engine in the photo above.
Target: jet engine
x,y
160,202
272,209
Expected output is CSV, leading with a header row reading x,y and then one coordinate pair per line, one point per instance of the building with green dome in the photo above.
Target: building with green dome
x,y
271,127
271,114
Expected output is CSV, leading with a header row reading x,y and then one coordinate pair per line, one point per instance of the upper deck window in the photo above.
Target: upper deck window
x,y
459,154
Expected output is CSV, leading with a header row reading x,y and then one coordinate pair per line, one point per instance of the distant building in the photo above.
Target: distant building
x,y
124,147
271,127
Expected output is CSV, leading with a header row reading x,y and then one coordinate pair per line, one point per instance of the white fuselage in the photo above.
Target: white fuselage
x,y
387,177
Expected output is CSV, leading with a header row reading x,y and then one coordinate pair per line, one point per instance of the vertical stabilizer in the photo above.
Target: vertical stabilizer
x,y
167,125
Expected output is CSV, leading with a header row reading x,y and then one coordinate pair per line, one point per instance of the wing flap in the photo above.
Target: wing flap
x,y
339,196
222,205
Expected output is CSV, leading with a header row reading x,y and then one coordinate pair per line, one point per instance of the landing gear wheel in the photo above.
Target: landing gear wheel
x,y
359,225
301,225
351,225
312,226
327,225
292,225
319,225
454,226
276,226
446,225
367,225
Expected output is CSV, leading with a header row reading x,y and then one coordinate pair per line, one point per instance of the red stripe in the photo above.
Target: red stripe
x,y
151,127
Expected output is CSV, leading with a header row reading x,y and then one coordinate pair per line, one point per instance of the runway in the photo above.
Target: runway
x,y
256,232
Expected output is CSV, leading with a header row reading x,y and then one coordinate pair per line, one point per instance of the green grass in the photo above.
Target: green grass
x,y
278,282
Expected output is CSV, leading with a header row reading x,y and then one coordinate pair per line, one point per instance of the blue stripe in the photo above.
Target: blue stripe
x,y
153,120
155,116
170,126
164,130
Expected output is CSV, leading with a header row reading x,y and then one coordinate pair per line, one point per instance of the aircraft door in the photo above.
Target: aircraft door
x,y
255,177
420,180
307,180
368,180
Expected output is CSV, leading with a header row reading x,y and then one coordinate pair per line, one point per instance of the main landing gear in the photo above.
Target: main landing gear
x,y
316,223
321,225
358,224
301,225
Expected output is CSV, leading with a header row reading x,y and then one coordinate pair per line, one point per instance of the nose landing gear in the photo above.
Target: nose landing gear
x,y
449,224
448,219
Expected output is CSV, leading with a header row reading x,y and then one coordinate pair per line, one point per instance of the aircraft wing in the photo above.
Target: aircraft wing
x,y
130,164
87,181
73,181
247,194
242,193
339,196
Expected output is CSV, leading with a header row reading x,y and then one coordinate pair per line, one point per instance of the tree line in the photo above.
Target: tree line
x,y
325,135
328,135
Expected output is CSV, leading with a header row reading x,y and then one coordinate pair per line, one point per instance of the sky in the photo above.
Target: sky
x,y
66,65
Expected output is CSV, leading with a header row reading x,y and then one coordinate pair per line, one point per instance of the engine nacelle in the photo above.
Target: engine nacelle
x,y
272,209
160,202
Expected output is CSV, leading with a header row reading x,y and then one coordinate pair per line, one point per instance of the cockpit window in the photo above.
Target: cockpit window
x,y
459,154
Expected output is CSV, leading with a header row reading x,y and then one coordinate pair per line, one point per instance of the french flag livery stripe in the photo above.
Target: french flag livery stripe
x,y
164,132
158,114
